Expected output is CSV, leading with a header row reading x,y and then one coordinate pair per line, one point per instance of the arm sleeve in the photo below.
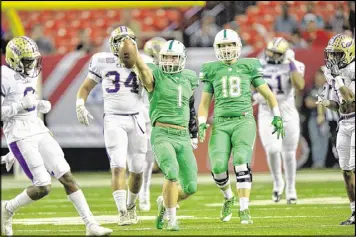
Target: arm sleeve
x,y
95,69
193,129
256,74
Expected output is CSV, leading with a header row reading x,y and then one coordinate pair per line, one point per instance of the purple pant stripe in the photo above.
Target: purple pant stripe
x,y
17,153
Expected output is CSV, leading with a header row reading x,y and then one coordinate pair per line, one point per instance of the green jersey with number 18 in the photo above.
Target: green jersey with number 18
x,y
169,100
231,84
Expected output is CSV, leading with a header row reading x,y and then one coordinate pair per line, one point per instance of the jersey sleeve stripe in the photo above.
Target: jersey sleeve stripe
x,y
95,74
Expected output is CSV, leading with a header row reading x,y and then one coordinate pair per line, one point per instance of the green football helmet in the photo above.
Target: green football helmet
x,y
23,56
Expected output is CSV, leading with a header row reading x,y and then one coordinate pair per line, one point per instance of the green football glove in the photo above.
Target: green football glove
x,y
202,130
278,127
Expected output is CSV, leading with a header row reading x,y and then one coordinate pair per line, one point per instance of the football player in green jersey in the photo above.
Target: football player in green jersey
x,y
170,87
234,127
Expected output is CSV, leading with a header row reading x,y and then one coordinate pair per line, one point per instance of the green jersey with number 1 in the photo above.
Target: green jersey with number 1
x,y
169,100
231,84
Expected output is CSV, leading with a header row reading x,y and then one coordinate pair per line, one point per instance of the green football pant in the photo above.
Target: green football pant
x,y
231,134
173,152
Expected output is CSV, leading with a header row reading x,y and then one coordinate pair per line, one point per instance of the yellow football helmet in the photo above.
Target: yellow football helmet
x,y
153,46
23,56
339,51
117,36
275,50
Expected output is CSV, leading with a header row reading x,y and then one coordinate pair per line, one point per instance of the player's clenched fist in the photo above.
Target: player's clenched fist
x,y
83,114
28,101
278,127
202,130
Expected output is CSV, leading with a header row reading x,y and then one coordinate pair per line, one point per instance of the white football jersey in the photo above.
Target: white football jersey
x,y
348,76
26,122
120,85
277,76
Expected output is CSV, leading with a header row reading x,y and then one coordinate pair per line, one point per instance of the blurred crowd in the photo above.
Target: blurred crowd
x,y
199,27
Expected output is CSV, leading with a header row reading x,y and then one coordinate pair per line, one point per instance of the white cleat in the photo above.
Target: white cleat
x,y
6,220
124,219
97,230
132,215
145,205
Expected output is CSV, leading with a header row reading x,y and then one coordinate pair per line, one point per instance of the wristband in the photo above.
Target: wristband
x,y
79,102
201,119
276,112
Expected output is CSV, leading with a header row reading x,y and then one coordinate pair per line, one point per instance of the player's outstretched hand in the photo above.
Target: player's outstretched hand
x,y
278,127
44,106
202,130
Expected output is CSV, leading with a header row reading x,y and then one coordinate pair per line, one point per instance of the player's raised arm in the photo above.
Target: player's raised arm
x,y
295,76
144,73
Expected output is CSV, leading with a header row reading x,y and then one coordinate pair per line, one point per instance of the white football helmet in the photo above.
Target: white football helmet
x,y
228,53
177,63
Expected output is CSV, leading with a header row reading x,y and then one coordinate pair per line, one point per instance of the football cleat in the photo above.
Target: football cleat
x,y
276,197
226,210
97,230
132,215
161,212
350,221
145,205
245,217
172,226
292,201
124,219
6,220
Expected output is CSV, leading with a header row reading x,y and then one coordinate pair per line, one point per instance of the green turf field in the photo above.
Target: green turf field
x,y
322,205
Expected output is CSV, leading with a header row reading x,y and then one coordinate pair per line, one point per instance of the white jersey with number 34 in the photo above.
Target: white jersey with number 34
x,y
277,76
119,84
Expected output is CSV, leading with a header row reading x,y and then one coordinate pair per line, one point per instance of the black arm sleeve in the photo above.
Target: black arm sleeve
x,y
193,129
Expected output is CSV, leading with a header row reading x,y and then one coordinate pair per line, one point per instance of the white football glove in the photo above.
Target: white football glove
x,y
322,101
9,160
44,106
194,142
28,101
82,113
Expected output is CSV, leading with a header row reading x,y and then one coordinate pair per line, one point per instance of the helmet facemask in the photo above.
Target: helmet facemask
x,y
227,51
332,57
273,57
31,67
171,62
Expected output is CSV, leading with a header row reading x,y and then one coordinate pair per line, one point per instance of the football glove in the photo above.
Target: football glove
x,y
44,106
322,101
29,101
202,130
278,127
83,114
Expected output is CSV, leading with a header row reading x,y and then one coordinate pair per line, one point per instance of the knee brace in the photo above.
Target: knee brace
x,y
221,180
243,176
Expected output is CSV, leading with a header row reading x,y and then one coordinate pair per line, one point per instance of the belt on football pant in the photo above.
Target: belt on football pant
x,y
168,125
238,115
342,117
